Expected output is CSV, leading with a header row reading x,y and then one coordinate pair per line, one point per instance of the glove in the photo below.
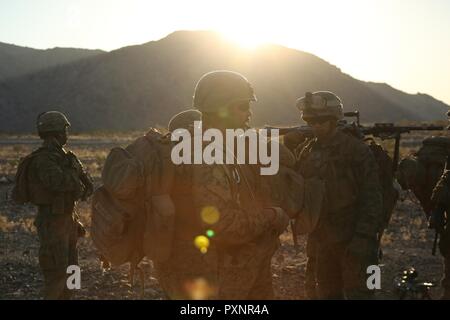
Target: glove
x,y
281,219
362,247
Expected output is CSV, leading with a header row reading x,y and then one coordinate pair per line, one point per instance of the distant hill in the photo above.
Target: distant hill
x,y
135,87
16,60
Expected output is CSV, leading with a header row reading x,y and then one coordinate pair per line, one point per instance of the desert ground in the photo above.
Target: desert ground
x,y
406,242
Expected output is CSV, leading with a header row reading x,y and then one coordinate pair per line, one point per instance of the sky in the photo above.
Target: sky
x,y
405,43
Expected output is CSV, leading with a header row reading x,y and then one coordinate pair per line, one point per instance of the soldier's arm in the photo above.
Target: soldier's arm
x,y
53,177
234,225
370,200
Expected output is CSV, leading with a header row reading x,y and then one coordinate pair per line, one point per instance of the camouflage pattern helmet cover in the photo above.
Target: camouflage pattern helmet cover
x,y
52,121
184,119
217,90
320,104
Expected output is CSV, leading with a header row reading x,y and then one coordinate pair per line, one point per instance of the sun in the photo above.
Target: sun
x,y
245,39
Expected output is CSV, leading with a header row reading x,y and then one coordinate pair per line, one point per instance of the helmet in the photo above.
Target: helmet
x,y
52,121
218,89
320,104
184,119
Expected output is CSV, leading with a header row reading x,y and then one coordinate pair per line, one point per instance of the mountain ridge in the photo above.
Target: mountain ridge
x,y
19,60
138,86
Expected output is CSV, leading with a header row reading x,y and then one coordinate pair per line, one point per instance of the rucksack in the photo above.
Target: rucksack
x,y
431,157
434,150
21,193
126,223
385,173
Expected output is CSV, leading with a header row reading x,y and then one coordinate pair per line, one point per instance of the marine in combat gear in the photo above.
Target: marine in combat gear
x,y
55,180
218,205
345,240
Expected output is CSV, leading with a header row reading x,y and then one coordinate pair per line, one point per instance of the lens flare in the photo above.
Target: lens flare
x,y
210,214
202,243
199,289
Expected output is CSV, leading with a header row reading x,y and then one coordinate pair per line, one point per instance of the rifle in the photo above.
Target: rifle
x,y
307,130
390,131
386,130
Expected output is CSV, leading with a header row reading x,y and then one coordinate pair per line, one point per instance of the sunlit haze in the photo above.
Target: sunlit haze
x,y
404,43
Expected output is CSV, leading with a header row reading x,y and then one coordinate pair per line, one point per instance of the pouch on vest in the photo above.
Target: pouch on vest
x,y
110,224
22,192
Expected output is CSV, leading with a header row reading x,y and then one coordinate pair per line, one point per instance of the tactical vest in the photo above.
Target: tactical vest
x,y
335,166
60,203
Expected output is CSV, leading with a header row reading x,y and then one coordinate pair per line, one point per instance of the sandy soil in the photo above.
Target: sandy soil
x,y
407,242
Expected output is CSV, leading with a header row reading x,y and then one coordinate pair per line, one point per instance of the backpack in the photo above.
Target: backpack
x,y
431,157
434,150
21,193
127,222
386,177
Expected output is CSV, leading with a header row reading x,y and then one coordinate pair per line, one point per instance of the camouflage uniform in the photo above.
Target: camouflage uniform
x,y
236,262
310,282
345,240
441,196
55,182
185,268
245,238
